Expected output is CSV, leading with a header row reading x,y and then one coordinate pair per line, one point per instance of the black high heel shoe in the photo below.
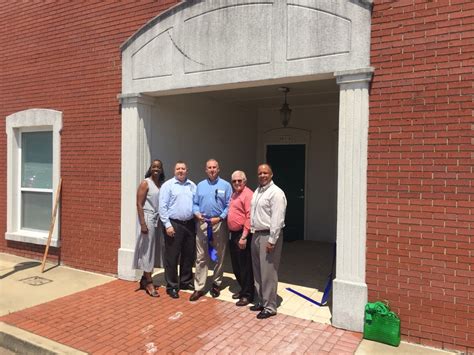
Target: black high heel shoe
x,y
143,286
143,283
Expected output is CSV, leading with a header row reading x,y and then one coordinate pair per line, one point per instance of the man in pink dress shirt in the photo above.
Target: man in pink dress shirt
x,y
238,221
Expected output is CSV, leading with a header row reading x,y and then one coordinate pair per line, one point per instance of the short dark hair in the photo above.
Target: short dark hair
x,y
180,162
212,159
271,170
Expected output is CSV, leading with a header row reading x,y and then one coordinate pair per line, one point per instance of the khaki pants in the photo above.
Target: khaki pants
x,y
220,238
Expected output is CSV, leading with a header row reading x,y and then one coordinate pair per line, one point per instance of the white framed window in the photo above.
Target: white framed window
x,y
33,171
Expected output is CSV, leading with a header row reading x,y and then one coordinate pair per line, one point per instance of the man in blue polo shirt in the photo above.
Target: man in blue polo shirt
x,y
211,205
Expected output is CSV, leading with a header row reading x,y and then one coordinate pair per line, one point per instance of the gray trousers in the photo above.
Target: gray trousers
x,y
265,270
220,237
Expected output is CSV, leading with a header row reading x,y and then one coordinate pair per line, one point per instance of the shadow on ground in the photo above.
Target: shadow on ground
x,y
19,267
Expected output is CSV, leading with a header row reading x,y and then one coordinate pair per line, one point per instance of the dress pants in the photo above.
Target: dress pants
x,y
265,269
180,248
220,234
242,264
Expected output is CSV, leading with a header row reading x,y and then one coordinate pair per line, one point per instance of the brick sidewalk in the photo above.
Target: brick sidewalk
x,y
112,319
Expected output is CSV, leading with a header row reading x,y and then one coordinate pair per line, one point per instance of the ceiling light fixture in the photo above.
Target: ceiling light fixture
x,y
285,110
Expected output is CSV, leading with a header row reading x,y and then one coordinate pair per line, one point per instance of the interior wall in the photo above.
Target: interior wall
x,y
321,190
194,128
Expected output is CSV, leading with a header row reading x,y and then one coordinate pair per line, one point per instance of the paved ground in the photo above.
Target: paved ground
x,y
22,284
112,318
101,315
5,351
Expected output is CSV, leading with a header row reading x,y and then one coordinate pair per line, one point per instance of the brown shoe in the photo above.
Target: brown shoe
x,y
243,302
196,295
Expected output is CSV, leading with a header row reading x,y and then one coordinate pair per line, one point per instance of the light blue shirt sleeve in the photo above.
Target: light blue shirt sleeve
x,y
228,194
196,201
164,203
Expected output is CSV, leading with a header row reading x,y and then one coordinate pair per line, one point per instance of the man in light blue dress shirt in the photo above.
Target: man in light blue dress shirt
x,y
176,214
211,205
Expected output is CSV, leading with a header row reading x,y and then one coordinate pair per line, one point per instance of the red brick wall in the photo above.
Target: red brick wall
x,y
65,56
420,240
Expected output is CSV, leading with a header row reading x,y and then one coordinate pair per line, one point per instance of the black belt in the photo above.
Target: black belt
x,y
263,231
180,222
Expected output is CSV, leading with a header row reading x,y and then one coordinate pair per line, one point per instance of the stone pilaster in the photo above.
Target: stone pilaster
x,y
349,287
136,144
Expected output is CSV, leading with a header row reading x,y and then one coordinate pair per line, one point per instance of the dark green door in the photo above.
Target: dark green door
x,y
288,164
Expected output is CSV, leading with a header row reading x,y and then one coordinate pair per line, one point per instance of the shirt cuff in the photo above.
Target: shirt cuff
x,y
274,235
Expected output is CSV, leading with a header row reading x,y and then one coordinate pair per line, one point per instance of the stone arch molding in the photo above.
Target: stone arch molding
x,y
223,42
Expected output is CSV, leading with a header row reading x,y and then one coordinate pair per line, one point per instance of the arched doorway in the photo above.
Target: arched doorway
x,y
200,46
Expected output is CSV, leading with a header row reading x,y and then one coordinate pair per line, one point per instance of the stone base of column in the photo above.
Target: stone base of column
x,y
125,261
349,300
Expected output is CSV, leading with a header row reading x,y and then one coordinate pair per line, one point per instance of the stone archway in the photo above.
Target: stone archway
x,y
215,45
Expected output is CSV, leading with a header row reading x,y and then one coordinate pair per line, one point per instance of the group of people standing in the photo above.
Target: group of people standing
x,y
198,223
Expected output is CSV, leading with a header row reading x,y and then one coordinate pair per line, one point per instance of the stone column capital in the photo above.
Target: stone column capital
x,y
136,99
354,76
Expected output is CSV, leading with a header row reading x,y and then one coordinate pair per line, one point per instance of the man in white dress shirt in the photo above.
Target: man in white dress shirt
x,y
267,219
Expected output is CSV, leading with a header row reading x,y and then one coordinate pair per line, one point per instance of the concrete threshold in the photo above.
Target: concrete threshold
x,y
22,342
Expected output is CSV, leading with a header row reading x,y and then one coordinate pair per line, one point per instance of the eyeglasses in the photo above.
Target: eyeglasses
x,y
238,180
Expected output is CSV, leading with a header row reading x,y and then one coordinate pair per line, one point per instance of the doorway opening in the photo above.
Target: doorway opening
x,y
241,128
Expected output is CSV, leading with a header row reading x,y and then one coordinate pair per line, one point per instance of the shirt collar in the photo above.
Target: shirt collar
x,y
262,189
213,182
177,181
237,193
